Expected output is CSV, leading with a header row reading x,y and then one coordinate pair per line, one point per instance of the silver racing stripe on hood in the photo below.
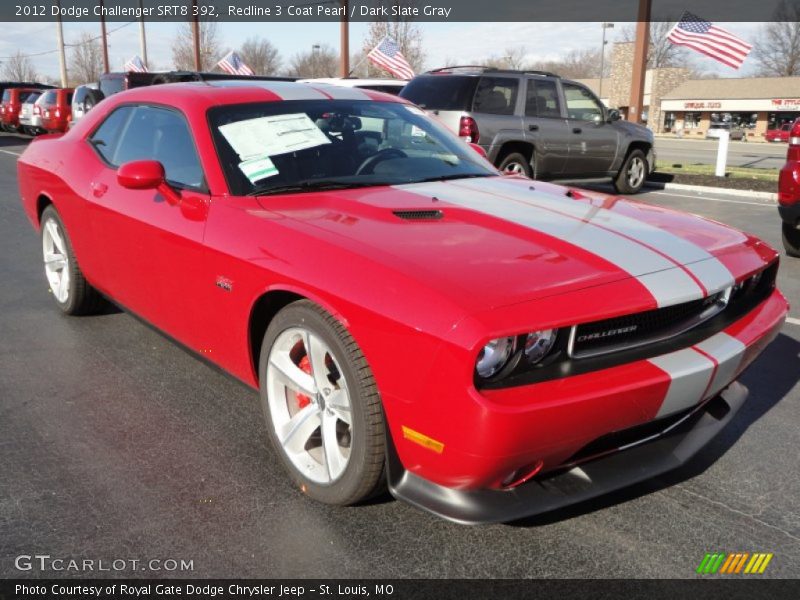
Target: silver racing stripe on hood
x,y
666,282
707,269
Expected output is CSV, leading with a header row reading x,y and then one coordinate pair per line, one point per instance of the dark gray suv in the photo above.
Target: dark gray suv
x,y
537,124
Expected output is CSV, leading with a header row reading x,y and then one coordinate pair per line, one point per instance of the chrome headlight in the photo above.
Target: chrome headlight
x,y
538,344
495,355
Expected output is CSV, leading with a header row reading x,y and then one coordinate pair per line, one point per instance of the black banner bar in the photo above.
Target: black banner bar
x,y
300,11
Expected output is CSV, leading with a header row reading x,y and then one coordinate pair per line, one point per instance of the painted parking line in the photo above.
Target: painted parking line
x,y
11,152
761,204
793,321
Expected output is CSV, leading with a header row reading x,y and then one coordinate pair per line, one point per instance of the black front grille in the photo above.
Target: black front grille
x,y
609,335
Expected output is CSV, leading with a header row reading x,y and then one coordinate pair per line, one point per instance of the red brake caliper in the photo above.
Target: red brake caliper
x,y
305,367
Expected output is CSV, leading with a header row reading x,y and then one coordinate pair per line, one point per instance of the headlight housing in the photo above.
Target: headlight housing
x,y
503,356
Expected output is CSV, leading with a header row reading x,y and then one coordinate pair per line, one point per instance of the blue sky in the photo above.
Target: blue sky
x,y
462,42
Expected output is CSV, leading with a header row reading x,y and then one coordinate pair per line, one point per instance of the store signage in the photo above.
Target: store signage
x,y
786,103
702,105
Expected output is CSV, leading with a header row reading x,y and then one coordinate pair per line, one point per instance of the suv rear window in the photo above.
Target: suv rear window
x,y
49,98
496,95
441,92
6,95
32,98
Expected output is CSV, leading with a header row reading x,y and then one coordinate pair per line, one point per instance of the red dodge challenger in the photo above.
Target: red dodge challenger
x,y
489,347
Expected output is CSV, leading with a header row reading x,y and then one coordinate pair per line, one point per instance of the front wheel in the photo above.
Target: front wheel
x,y
791,240
321,406
633,174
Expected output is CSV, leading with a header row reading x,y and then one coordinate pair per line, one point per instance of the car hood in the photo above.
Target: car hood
x,y
497,241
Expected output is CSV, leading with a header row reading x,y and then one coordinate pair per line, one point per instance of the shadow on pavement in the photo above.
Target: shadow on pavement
x,y
781,360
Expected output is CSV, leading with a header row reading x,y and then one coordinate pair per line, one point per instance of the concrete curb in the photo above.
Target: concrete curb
x,y
703,189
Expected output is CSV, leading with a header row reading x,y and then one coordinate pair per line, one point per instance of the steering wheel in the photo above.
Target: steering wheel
x,y
368,166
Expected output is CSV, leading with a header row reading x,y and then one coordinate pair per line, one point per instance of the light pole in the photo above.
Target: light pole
x,y
314,50
604,26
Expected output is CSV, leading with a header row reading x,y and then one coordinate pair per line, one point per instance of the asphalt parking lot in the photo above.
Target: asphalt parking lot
x,y
704,152
117,444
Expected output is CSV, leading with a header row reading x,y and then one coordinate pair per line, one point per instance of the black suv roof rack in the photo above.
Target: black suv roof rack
x,y
485,69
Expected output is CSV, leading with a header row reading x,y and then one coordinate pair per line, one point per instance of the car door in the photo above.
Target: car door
x,y
593,142
495,110
544,126
152,251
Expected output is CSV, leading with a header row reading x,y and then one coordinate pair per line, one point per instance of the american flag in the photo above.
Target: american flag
x,y
135,64
388,57
705,37
233,64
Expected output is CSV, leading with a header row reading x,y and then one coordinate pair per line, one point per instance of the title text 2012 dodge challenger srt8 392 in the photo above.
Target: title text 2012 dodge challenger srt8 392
x,y
491,347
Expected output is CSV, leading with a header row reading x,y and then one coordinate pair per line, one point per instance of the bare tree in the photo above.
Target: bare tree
x,y
183,46
19,68
404,32
662,52
261,56
578,64
86,59
512,58
320,61
777,49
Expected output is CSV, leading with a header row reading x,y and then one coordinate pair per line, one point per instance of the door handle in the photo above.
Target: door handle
x,y
98,189
577,130
533,127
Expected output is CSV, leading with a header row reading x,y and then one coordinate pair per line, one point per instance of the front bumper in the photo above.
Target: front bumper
x,y
665,451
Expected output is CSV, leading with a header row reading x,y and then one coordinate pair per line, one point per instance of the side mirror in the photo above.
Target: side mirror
x,y
478,149
613,115
146,175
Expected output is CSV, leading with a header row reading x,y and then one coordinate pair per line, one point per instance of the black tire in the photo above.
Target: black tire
x,y
364,474
515,163
82,298
791,240
624,182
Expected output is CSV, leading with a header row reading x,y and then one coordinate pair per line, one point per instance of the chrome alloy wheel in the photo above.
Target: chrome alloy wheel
x,y
514,168
310,405
636,172
56,260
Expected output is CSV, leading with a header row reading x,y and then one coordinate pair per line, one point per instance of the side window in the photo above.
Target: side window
x,y
581,104
106,138
496,96
541,99
159,134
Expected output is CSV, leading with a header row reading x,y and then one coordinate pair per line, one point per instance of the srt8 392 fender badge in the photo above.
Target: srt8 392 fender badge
x,y
224,283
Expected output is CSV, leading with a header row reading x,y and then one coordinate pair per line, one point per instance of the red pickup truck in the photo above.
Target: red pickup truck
x,y
789,193
779,134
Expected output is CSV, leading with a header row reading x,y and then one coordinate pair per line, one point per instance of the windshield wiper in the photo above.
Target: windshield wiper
x,y
452,176
319,185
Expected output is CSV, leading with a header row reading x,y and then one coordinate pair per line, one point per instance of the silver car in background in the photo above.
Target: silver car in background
x,y
735,132
83,100
30,114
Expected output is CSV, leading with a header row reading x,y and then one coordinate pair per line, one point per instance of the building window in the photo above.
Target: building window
x,y
691,120
669,121
776,120
742,120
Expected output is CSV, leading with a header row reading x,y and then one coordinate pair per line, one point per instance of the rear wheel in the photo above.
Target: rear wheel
x,y
515,164
791,240
633,174
72,293
321,406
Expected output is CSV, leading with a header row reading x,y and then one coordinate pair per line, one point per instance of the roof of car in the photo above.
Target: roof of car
x,y
356,82
212,93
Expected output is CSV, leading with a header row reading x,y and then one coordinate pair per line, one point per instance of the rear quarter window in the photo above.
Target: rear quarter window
x,y
496,95
441,92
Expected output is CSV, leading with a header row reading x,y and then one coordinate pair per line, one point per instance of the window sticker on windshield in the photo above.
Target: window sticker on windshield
x,y
258,168
271,136
417,131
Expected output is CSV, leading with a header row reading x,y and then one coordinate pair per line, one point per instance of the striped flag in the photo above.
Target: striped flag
x,y
387,56
135,64
233,64
705,37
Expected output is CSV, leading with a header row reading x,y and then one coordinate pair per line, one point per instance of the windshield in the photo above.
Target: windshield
x,y
304,145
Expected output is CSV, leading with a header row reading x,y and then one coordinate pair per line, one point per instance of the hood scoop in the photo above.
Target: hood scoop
x,y
419,215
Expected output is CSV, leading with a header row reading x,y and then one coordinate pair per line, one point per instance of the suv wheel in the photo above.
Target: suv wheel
x,y
633,174
791,240
515,164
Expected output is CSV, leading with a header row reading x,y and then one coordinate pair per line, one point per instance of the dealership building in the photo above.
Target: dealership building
x,y
675,103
